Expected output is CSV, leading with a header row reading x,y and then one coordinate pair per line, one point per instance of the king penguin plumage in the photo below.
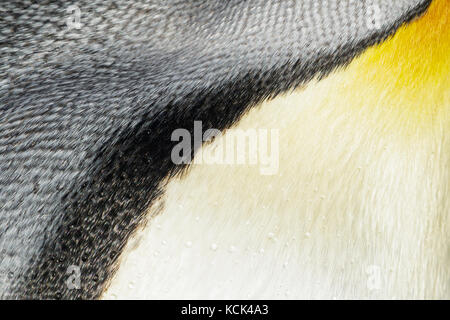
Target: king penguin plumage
x,y
354,95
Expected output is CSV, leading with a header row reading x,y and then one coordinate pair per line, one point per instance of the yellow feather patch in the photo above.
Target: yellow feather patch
x,y
413,68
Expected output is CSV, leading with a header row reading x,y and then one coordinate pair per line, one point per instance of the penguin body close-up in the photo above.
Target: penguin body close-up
x,y
344,193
